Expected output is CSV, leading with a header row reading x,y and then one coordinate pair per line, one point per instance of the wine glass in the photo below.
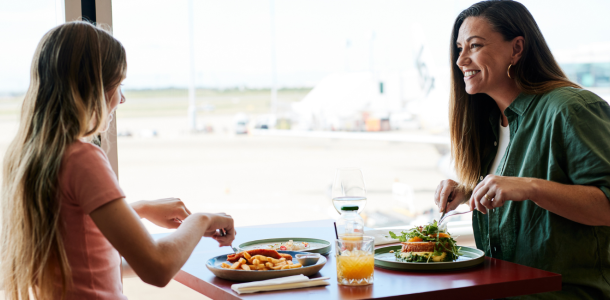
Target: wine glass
x,y
348,189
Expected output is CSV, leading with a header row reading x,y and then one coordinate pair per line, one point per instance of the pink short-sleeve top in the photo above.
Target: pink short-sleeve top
x,y
86,182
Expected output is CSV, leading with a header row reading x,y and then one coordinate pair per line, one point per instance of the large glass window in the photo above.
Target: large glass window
x,y
361,84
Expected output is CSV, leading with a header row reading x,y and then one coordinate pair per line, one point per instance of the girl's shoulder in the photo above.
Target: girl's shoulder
x,y
80,150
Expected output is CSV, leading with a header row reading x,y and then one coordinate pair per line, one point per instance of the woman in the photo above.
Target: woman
x,y
531,150
63,212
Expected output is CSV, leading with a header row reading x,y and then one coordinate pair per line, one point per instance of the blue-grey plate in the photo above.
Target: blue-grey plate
x,y
213,264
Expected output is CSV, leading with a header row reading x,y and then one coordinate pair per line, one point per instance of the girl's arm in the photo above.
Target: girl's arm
x,y
166,213
157,262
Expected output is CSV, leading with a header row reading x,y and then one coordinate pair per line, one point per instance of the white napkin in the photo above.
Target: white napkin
x,y
284,283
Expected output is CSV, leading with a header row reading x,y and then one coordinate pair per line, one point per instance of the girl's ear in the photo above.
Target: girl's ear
x,y
518,44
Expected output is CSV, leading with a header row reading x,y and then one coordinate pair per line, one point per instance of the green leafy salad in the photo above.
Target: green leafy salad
x,y
445,248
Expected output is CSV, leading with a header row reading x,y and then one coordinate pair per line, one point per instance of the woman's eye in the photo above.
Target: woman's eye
x,y
475,46
459,50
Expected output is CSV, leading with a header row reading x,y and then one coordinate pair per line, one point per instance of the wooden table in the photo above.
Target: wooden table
x,y
493,279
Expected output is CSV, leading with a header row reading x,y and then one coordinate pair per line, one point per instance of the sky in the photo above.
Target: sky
x,y
313,38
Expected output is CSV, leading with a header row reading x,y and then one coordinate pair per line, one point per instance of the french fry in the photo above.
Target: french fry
x,y
236,265
261,263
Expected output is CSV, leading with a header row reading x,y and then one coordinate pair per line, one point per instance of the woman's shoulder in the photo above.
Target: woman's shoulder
x,y
569,100
571,97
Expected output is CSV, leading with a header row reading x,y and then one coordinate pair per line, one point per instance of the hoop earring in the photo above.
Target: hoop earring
x,y
508,71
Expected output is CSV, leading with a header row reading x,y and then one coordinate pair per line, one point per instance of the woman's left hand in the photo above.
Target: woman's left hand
x,y
167,212
494,190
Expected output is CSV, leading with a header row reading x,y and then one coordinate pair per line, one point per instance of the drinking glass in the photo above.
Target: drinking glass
x,y
355,261
348,189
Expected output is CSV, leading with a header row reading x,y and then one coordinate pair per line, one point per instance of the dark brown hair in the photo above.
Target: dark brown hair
x,y
536,72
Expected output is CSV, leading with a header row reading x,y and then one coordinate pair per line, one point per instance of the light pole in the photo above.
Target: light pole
x,y
192,110
273,65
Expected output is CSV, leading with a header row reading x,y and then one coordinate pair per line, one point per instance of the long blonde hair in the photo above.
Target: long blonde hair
x,y
536,72
74,66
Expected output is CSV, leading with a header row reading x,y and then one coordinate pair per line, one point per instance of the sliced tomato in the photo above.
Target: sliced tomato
x,y
283,248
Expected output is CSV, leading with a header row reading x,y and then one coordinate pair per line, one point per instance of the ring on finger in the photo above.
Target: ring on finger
x,y
487,197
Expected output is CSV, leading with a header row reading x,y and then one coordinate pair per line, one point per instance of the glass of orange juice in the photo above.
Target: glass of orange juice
x,y
355,260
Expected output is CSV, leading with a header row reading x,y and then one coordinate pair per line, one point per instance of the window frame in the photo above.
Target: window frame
x,y
103,15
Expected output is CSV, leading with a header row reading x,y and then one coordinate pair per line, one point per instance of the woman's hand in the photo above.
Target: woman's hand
x,y
167,213
494,190
443,192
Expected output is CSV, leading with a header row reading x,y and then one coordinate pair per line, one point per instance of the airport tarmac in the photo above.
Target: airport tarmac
x,y
259,179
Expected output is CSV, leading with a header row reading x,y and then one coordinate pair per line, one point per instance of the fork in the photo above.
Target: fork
x,y
451,214
449,199
223,232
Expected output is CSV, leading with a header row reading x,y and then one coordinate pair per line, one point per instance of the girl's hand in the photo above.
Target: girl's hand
x,y
444,190
218,223
494,190
167,213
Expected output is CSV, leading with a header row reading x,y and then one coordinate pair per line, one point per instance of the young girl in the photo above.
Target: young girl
x,y
64,215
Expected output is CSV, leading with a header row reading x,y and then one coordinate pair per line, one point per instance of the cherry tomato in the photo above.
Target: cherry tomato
x,y
283,248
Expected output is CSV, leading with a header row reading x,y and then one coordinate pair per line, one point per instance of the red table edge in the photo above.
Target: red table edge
x,y
203,287
490,291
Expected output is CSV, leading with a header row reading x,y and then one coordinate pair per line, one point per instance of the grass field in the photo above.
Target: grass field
x,y
174,102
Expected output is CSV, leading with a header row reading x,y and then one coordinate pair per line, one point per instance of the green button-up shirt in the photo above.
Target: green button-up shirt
x,y
561,136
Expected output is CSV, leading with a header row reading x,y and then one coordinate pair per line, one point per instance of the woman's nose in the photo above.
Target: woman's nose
x,y
462,60
122,98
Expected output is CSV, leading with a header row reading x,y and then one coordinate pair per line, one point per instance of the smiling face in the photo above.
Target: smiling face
x,y
484,57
